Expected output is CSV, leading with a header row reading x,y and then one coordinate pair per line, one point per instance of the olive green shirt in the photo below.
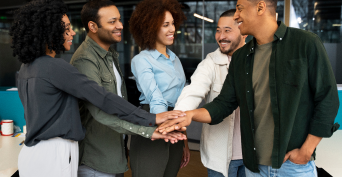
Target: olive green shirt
x,y
263,119
303,92
103,147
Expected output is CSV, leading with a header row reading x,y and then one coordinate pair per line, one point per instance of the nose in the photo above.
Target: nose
x,y
119,26
73,33
172,28
236,15
222,36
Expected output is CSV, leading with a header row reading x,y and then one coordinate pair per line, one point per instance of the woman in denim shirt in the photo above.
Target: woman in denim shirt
x,y
160,79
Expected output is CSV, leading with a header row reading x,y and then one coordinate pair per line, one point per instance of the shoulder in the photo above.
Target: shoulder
x,y
144,55
84,52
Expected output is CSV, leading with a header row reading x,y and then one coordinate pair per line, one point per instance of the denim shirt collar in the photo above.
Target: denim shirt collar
x,y
156,54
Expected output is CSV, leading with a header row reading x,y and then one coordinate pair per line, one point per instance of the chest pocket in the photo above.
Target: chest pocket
x,y
107,82
294,72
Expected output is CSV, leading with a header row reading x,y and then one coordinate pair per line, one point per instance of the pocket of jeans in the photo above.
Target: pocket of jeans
x,y
294,72
292,163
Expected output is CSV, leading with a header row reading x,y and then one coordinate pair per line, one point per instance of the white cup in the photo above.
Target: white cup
x,y
6,127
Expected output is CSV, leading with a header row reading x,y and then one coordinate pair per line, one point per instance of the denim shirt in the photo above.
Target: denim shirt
x,y
159,79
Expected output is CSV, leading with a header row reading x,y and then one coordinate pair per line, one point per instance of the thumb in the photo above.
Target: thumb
x,y
287,156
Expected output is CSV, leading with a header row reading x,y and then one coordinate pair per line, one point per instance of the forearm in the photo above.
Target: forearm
x,y
310,144
200,115
116,124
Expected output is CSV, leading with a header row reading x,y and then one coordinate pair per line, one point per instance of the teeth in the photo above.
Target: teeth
x,y
223,43
70,41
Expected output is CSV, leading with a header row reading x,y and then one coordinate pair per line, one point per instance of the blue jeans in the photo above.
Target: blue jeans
x,y
288,169
236,169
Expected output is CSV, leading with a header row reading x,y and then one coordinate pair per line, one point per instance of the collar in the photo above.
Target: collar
x,y
278,35
156,54
220,58
98,49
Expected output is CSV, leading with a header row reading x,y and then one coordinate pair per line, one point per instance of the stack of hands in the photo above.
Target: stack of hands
x,y
171,124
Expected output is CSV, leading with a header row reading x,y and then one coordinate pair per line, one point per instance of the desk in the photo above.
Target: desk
x,y
9,151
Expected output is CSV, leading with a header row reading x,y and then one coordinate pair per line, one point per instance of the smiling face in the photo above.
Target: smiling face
x,y
228,35
68,34
245,15
166,32
111,26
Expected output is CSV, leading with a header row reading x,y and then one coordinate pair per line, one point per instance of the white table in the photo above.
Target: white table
x,y
9,151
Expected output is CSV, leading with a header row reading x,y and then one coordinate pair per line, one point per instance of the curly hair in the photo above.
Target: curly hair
x,y
148,17
36,25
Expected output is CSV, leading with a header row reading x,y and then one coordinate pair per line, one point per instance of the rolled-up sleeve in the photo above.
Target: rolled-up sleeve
x,y
323,86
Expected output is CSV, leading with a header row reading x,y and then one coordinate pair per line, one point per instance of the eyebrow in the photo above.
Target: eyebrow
x,y
68,24
239,5
225,27
114,18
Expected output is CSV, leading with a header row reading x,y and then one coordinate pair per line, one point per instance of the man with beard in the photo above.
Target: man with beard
x,y
221,143
102,151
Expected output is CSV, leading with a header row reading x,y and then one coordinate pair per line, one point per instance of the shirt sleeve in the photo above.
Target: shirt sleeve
x,y
67,78
226,102
323,86
88,68
201,81
143,72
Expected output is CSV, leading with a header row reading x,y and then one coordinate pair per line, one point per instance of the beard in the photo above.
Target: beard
x,y
106,36
233,46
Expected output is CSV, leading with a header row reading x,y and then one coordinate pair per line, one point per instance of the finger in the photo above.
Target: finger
x,y
171,122
287,156
169,129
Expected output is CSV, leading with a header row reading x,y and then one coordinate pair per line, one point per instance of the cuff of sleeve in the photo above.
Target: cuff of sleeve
x,y
149,132
144,118
323,130
159,109
215,118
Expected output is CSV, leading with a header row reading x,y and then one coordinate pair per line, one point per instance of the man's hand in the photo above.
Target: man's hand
x,y
186,155
179,124
162,117
173,137
298,156
303,155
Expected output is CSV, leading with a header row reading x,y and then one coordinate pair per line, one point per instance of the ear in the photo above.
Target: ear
x,y
261,7
244,36
92,27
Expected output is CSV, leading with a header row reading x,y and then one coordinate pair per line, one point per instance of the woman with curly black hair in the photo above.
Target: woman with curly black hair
x,y
49,87
160,79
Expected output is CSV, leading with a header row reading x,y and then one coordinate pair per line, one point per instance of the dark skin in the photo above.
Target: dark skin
x,y
258,20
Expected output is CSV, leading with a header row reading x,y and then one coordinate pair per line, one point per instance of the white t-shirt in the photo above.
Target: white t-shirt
x,y
118,80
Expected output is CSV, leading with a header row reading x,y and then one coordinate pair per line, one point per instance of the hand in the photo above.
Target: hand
x,y
176,124
173,137
162,117
298,156
186,155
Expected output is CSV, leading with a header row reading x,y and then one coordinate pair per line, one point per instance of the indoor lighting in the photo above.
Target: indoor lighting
x,y
178,32
203,18
337,24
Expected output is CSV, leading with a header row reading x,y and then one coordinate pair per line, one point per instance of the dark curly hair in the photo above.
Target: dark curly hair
x,y
148,17
37,24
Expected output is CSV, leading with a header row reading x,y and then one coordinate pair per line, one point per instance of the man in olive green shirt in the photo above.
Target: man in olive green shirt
x,y
283,82
102,150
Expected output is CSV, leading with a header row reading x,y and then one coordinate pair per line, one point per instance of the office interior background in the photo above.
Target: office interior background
x,y
195,38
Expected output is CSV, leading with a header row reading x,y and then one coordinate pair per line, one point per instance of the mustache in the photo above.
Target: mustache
x,y
117,31
225,41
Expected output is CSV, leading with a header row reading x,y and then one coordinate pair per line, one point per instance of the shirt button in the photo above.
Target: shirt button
x,y
147,135
247,91
110,80
143,133
280,38
130,128
247,73
247,55
254,149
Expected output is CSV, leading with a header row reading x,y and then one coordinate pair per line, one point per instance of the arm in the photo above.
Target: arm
x,y
67,78
323,86
143,72
221,107
89,68
201,81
